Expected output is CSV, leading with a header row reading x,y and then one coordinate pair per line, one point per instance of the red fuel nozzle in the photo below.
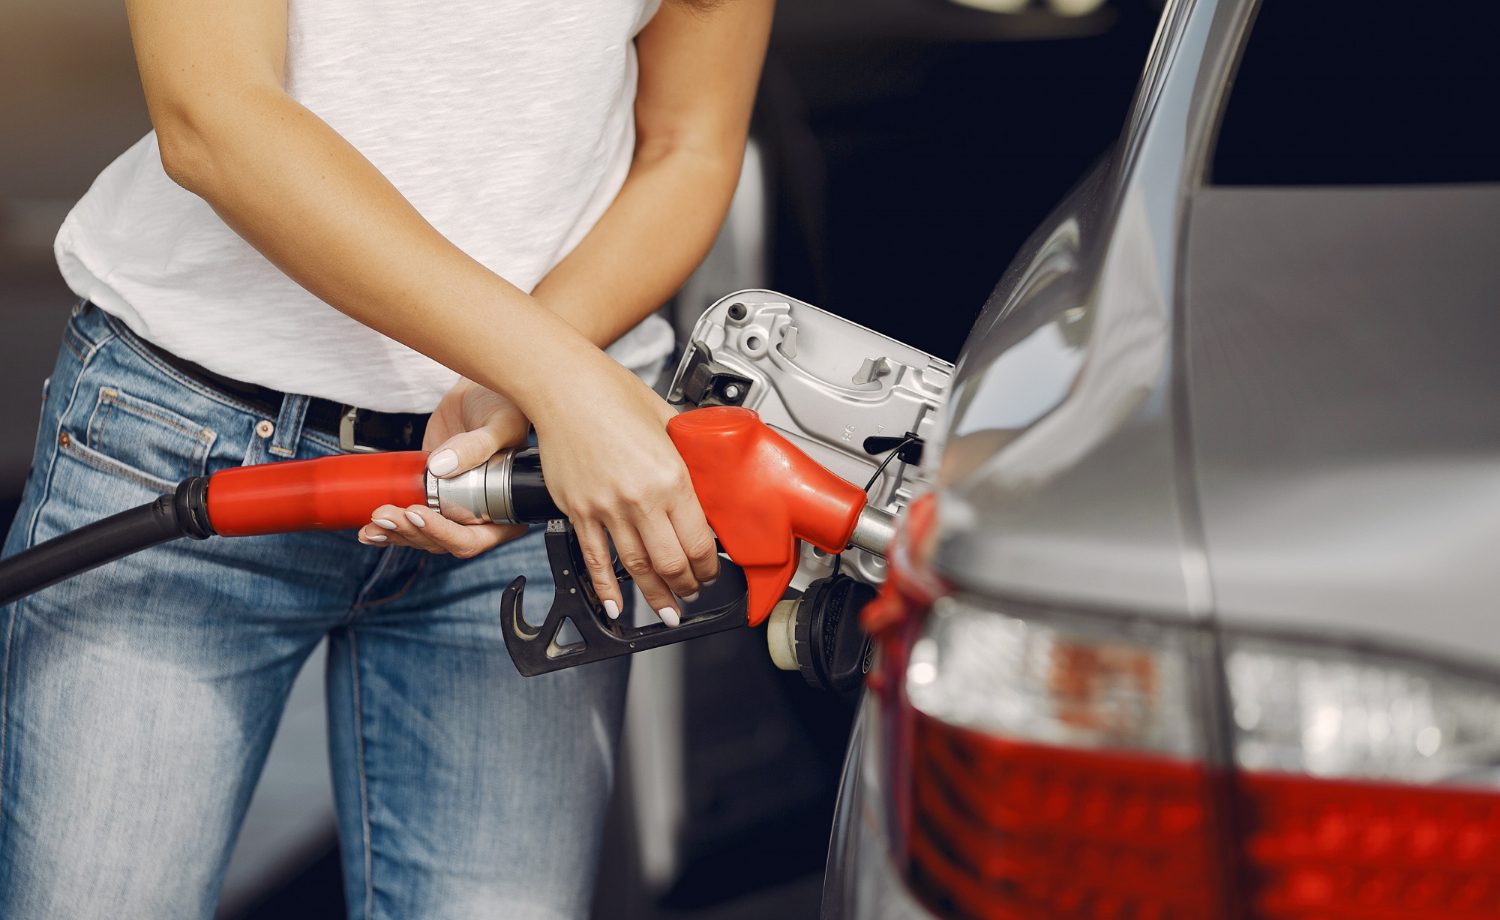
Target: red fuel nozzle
x,y
761,495
329,493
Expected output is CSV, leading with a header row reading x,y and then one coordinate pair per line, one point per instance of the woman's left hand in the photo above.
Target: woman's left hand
x,y
468,427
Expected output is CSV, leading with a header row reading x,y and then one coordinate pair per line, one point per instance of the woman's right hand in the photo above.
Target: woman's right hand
x,y
612,469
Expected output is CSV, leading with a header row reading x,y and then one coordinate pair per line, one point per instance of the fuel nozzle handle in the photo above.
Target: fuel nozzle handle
x,y
761,495
511,488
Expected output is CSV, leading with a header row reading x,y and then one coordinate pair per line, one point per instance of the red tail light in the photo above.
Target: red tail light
x,y
1329,850
1003,830
1366,786
1060,765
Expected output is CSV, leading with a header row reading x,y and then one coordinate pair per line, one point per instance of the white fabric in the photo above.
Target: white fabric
x,y
509,124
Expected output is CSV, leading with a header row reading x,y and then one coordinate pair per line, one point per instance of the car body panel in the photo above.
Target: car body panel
x,y
1057,464
1060,475
1342,370
862,880
1266,409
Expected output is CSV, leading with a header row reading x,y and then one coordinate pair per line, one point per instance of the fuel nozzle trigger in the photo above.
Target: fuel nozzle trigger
x,y
540,649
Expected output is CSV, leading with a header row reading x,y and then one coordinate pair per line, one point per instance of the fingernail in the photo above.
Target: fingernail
x,y
709,582
689,598
442,463
611,608
388,525
415,518
376,538
669,616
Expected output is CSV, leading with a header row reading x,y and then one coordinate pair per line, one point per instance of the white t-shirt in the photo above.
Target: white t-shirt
x,y
509,124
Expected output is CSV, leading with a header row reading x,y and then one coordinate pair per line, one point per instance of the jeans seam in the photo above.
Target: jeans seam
x,y
401,591
10,629
112,396
68,336
109,465
84,344
386,555
31,526
94,428
129,342
56,449
364,782
321,440
127,338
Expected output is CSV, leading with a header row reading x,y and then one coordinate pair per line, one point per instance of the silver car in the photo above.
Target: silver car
x,y
1202,618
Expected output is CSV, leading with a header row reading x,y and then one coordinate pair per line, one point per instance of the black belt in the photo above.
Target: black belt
x,y
358,430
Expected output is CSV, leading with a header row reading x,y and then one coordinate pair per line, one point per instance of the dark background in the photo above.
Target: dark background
x,y
912,146
915,153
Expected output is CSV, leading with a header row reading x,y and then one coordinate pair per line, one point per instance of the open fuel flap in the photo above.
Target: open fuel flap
x,y
860,404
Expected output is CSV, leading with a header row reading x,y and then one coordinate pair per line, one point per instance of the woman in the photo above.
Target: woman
x,y
352,213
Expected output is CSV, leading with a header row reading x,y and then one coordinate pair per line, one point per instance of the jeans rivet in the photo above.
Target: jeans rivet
x,y
64,440
264,428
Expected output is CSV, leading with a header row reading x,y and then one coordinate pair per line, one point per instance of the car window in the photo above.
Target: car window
x,y
1359,93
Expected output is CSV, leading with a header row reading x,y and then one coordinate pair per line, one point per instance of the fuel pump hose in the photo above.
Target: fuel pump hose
x,y
181,514
328,493
760,494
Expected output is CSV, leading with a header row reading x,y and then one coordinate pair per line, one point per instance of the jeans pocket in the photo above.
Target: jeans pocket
x,y
136,439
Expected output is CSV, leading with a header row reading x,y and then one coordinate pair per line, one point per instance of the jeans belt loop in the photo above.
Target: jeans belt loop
x,y
289,425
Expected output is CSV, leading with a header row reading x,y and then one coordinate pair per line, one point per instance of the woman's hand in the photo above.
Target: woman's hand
x,y
612,469
468,427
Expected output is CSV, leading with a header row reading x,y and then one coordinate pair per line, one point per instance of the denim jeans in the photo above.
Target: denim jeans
x,y
138,701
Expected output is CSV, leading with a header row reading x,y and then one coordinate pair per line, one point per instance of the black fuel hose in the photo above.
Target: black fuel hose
x,y
181,514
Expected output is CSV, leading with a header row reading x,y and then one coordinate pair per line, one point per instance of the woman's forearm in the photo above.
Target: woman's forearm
x,y
653,236
317,209
698,73
323,214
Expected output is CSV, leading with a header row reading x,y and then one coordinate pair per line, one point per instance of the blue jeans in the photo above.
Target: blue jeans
x,y
138,701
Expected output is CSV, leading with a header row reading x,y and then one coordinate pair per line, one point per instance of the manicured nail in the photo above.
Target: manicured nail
x,y
689,598
669,616
376,538
442,463
382,522
415,518
611,608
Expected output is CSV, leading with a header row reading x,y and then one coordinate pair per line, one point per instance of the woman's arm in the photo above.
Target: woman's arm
x,y
698,75
315,207
322,213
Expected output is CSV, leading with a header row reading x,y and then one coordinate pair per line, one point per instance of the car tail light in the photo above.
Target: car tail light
x,y
1056,769
1072,765
1367,782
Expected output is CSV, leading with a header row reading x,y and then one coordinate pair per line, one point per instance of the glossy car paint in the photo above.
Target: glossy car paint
x,y
1166,408
1342,378
1061,476
1274,405
1058,472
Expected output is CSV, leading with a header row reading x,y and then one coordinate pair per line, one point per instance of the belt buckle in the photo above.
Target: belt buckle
x,y
348,441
